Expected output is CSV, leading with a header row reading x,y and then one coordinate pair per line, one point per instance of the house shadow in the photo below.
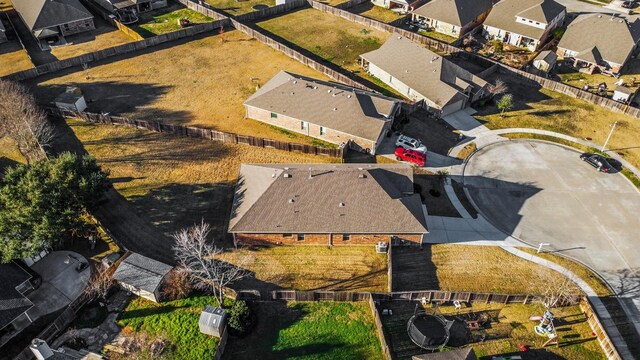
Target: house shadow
x,y
524,91
413,269
116,98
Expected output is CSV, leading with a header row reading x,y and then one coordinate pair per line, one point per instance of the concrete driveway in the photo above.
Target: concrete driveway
x,y
542,192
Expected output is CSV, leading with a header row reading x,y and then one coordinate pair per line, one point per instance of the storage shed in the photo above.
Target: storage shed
x,y
71,99
142,276
545,61
623,94
212,321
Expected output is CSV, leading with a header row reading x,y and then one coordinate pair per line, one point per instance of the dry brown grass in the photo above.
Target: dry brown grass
x,y
375,12
488,269
234,7
466,151
582,272
9,154
103,37
308,267
202,82
330,37
171,181
13,57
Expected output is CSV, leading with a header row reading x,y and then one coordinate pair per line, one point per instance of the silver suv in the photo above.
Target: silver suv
x,y
411,143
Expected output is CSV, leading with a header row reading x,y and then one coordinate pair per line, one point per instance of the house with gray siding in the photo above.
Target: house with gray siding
x,y
324,110
453,17
422,75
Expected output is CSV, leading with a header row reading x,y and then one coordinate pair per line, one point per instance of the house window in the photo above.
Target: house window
x,y
304,125
346,237
287,235
453,29
274,115
323,130
300,237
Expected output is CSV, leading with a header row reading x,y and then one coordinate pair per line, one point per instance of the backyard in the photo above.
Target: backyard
x,y
341,268
468,268
168,182
103,37
369,10
173,323
188,82
539,108
233,7
330,37
309,330
13,57
164,20
509,328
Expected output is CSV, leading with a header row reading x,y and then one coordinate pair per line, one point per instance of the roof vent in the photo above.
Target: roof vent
x,y
273,175
360,168
291,201
362,176
287,175
292,93
295,81
341,205
407,71
335,109
329,91
348,96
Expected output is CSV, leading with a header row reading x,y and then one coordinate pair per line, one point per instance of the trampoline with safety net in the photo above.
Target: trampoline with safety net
x,y
429,331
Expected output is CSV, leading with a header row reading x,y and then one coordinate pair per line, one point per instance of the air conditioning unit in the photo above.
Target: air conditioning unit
x,y
381,247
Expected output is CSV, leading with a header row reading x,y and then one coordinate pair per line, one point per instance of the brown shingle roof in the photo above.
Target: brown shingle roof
x,y
424,71
599,36
346,198
335,106
503,15
40,14
455,12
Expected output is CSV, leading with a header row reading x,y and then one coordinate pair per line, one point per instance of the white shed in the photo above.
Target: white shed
x,y
623,94
71,99
545,60
212,321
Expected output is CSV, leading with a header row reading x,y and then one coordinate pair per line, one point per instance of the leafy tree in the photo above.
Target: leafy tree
x,y
240,318
42,203
498,46
505,103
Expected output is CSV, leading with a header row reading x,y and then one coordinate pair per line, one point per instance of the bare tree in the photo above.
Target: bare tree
x,y
178,285
201,258
23,121
560,291
100,284
499,88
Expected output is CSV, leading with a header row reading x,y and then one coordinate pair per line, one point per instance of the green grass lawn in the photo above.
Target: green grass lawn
x,y
234,7
309,330
165,20
438,36
175,321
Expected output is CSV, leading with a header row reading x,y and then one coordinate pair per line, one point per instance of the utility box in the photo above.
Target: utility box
x,y
382,247
71,99
212,321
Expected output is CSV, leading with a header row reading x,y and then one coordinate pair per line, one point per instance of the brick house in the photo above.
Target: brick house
x,y
524,23
326,204
453,17
422,75
49,21
324,110
599,43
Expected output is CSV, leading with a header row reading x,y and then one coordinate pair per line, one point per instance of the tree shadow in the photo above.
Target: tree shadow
x,y
144,312
117,98
6,163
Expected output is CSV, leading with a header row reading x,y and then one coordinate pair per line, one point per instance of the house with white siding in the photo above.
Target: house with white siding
x,y
524,23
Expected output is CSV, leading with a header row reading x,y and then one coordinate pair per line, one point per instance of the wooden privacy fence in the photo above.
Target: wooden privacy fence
x,y
195,132
271,11
127,30
203,8
339,296
599,331
379,329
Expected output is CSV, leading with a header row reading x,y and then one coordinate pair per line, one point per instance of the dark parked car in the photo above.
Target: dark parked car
x,y
628,4
598,161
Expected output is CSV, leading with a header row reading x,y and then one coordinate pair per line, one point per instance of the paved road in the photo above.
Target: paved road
x,y
542,192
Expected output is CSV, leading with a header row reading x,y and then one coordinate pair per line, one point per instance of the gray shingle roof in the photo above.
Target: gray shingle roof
x,y
346,198
547,56
455,12
12,303
426,72
503,15
599,36
339,107
39,14
141,272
